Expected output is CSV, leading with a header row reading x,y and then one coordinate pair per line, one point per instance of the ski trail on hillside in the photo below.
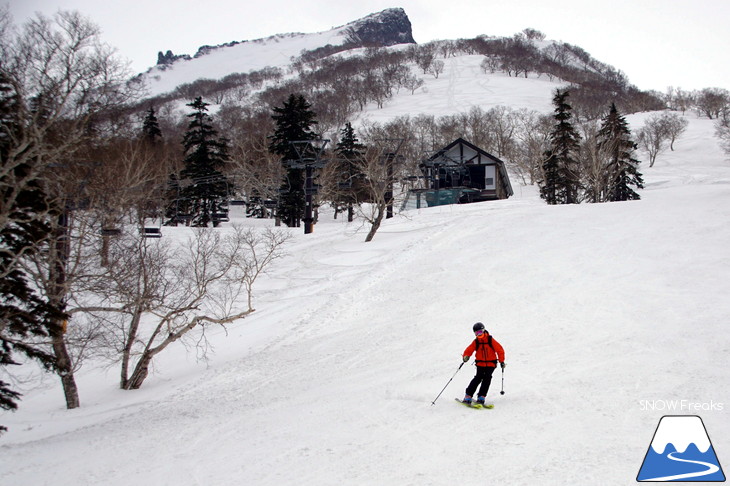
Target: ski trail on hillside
x,y
453,79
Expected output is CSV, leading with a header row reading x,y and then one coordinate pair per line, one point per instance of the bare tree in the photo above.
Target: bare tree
x,y
155,293
660,130
375,171
257,174
425,55
683,100
64,78
503,123
412,83
593,170
64,264
533,34
96,205
675,126
64,81
491,64
533,140
653,138
722,130
436,68
377,167
712,101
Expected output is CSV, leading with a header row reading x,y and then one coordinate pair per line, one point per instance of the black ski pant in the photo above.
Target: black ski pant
x,y
483,376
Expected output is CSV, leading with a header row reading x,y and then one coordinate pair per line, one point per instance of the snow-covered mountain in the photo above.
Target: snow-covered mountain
x,y
600,307
386,28
220,73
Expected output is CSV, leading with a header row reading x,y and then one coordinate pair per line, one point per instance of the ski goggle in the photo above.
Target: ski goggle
x,y
479,332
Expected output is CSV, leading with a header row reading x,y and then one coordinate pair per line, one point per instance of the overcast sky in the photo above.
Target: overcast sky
x,y
657,43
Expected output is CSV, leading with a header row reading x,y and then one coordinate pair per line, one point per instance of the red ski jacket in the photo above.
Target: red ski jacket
x,y
489,351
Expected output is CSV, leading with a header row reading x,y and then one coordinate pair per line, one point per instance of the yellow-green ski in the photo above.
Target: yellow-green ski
x,y
474,404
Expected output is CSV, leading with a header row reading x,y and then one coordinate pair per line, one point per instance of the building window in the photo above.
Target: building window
x,y
490,174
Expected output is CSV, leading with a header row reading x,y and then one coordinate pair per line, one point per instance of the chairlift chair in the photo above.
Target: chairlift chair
x,y
111,231
150,230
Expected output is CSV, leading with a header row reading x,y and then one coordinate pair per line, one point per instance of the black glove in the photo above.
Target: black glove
x,y
502,364
466,358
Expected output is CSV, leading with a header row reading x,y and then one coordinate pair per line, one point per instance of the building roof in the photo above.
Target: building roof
x,y
461,152
468,157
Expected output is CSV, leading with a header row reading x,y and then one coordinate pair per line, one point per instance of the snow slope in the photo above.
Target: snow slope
x,y
600,308
464,84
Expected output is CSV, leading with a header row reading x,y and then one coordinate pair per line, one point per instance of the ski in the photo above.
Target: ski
x,y
474,404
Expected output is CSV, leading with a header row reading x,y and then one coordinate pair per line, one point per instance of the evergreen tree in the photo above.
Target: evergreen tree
x,y
548,186
350,151
204,188
621,167
294,121
151,132
24,316
349,147
562,176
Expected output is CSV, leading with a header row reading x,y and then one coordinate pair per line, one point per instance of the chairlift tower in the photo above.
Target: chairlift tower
x,y
310,157
389,148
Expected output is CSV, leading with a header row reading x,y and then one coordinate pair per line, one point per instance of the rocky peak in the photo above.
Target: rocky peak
x,y
386,28
169,58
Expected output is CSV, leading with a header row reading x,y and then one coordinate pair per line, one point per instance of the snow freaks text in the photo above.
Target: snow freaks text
x,y
680,406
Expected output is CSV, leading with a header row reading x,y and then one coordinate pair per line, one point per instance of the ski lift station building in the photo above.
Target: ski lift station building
x,y
460,173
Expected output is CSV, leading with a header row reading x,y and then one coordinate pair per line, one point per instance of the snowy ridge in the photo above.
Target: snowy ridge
x,y
388,27
275,51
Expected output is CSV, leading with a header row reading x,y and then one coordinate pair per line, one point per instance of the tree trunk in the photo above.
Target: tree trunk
x,y
64,364
104,250
64,368
376,222
131,337
140,372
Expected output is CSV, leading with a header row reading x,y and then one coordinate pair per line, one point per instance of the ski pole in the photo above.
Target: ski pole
x,y
447,383
502,392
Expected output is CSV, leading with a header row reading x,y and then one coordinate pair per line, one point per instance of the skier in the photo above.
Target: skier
x,y
488,353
